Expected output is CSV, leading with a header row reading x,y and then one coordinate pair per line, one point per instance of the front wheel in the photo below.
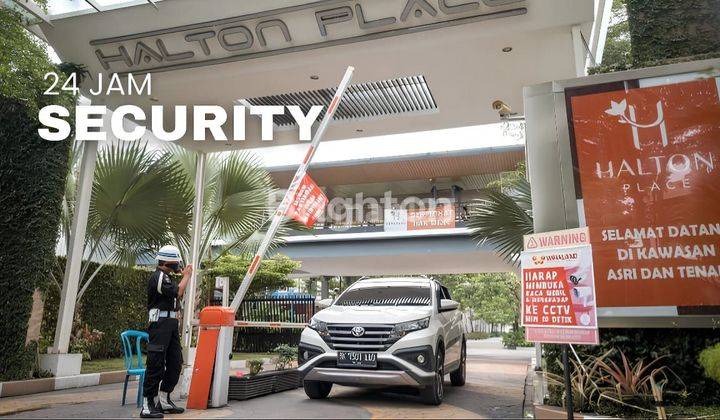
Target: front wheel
x,y
317,390
433,393
457,377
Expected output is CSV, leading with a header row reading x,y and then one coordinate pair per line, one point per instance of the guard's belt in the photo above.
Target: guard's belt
x,y
154,314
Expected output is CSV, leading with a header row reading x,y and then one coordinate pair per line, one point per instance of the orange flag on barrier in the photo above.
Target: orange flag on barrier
x,y
308,203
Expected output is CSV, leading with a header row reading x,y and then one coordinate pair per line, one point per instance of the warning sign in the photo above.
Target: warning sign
x,y
558,288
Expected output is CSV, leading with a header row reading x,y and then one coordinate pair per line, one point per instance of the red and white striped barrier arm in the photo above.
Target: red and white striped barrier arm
x,y
287,199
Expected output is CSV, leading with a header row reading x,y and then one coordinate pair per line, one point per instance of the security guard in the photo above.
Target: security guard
x,y
164,360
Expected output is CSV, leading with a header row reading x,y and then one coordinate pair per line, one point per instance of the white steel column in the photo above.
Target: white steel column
x,y
71,279
195,250
580,52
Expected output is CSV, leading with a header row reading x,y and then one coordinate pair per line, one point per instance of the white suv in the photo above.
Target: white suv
x,y
385,332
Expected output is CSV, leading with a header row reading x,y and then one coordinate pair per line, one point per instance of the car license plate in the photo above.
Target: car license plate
x,y
356,359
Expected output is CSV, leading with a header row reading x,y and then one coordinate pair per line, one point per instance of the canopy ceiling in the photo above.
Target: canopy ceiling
x,y
458,51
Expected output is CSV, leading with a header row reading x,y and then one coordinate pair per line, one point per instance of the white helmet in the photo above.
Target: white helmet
x,y
169,253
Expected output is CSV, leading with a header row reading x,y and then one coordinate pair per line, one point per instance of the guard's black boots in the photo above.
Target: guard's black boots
x,y
151,409
167,406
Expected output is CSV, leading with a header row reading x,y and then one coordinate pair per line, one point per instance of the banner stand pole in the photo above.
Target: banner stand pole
x,y
568,383
210,377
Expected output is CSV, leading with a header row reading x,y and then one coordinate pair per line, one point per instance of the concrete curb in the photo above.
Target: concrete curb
x,y
36,386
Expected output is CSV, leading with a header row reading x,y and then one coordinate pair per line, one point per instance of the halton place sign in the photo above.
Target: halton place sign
x,y
289,29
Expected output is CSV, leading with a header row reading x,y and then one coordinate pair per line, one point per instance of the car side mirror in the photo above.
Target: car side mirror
x,y
447,305
324,303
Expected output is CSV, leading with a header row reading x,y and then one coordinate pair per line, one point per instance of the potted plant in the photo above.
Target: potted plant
x,y
257,383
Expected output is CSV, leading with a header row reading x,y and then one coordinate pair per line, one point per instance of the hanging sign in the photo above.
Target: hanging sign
x,y
647,164
308,203
558,288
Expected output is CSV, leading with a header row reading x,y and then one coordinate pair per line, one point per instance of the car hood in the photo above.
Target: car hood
x,y
372,314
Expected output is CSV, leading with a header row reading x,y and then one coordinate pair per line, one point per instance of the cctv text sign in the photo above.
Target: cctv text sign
x,y
558,290
648,189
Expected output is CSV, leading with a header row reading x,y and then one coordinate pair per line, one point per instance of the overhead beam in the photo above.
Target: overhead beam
x,y
34,9
94,5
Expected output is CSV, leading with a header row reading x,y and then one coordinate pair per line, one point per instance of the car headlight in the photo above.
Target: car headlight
x,y
403,328
319,326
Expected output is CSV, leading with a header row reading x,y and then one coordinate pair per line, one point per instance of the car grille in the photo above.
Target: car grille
x,y
376,337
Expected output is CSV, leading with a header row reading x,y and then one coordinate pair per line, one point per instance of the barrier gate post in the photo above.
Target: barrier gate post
x,y
216,322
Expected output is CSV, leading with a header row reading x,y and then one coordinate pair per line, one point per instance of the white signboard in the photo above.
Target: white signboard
x,y
558,288
395,220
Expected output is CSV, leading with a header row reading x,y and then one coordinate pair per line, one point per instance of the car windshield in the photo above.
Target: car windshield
x,y
386,296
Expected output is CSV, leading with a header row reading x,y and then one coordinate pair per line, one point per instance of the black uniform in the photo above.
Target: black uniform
x,y
164,360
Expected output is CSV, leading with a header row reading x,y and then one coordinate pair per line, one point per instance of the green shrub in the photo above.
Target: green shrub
x,y
286,355
710,361
255,366
115,301
32,181
515,338
662,29
272,274
681,346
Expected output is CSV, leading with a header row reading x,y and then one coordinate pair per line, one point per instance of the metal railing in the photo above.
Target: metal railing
x,y
277,309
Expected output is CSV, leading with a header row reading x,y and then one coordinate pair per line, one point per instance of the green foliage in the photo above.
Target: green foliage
x,y
272,274
583,381
515,338
137,194
663,29
620,386
32,178
236,201
86,340
23,65
504,218
286,355
492,297
617,43
710,361
255,366
658,47
117,302
680,346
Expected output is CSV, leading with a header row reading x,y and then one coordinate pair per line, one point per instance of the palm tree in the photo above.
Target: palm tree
x,y
236,201
144,198
138,196
504,218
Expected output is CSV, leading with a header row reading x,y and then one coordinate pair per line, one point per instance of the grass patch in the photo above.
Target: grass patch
x,y
477,335
250,356
109,365
102,365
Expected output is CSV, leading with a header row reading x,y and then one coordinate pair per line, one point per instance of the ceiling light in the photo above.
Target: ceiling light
x,y
507,49
314,77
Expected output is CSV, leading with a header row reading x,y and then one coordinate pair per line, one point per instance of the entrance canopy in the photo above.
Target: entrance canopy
x,y
421,64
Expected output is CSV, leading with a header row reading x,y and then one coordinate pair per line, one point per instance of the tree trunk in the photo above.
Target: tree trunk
x,y
36,317
666,29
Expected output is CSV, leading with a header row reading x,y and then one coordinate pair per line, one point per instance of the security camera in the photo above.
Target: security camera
x,y
503,109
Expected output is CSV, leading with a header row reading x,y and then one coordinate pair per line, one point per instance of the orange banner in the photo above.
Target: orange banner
x,y
308,203
440,217
647,164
